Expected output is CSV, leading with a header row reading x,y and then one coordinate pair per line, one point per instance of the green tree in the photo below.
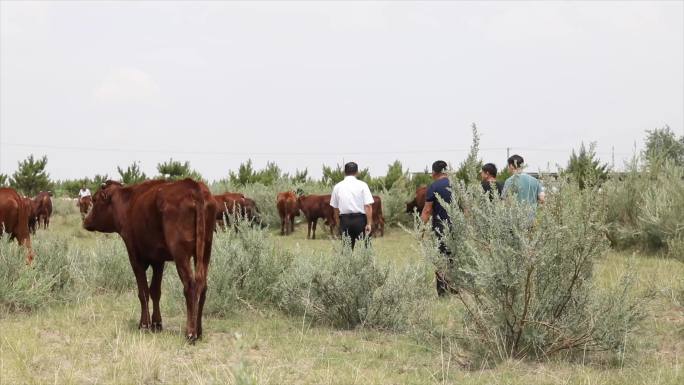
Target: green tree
x,y
31,177
132,174
585,168
269,175
245,175
422,178
175,170
333,176
395,171
3,180
300,176
662,145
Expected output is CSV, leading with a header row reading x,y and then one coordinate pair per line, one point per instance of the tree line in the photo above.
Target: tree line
x,y
583,166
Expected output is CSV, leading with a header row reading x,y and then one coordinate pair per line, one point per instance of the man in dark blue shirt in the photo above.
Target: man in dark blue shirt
x,y
439,188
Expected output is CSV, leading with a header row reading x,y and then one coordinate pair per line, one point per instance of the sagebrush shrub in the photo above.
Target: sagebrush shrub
x,y
394,203
348,289
105,266
26,288
526,282
245,267
646,208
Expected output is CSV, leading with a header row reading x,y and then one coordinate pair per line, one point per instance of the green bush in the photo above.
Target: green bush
x,y
646,208
105,266
26,288
394,202
244,269
351,289
526,281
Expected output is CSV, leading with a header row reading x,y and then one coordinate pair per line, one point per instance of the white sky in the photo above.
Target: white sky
x,y
93,85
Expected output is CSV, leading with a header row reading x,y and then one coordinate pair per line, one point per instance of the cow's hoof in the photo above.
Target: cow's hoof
x,y
156,327
192,338
143,326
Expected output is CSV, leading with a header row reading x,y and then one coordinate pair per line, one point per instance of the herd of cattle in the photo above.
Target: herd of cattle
x,y
163,221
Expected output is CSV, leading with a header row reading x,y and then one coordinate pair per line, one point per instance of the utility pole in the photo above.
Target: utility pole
x,y
613,158
508,152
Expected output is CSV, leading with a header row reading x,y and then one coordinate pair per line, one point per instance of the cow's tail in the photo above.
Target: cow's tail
x,y
200,241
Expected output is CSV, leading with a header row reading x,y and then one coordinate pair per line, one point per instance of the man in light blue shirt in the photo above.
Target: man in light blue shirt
x,y
527,189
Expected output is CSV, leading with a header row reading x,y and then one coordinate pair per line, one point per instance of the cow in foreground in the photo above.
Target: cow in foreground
x,y
418,202
42,208
378,218
315,207
161,221
14,219
288,209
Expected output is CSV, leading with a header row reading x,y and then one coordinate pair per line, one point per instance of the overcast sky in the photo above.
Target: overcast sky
x,y
93,84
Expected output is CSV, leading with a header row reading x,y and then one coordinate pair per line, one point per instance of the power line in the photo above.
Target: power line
x,y
186,152
275,153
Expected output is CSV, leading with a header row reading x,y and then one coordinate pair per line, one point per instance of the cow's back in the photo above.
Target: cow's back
x,y
161,213
287,204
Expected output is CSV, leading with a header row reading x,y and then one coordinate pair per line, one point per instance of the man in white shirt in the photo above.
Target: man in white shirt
x,y
352,201
84,192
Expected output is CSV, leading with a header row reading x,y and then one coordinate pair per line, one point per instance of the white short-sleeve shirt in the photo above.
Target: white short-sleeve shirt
x,y
351,195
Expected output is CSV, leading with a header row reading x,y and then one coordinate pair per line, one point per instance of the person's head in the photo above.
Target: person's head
x,y
82,187
515,163
488,172
438,169
351,168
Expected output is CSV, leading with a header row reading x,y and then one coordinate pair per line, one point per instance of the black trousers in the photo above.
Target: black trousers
x,y
353,226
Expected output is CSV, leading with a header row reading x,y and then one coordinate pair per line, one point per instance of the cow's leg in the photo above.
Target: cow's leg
x,y
291,224
139,270
155,293
189,289
283,223
315,223
308,231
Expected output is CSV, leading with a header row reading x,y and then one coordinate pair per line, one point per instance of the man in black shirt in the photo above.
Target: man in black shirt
x,y
488,177
439,188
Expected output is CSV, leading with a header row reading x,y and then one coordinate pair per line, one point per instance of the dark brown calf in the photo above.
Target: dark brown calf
x,y
161,221
231,204
315,207
378,218
32,222
418,202
14,219
42,208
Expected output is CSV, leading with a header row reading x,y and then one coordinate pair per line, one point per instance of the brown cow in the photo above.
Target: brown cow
x,y
32,215
14,219
378,218
84,204
228,202
288,209
42,208
314,207
161,221
418,202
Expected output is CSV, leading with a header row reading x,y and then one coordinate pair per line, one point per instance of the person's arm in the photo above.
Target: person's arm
x,y
369,218
429,201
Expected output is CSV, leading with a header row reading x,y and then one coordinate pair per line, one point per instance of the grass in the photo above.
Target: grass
x,y
94,338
